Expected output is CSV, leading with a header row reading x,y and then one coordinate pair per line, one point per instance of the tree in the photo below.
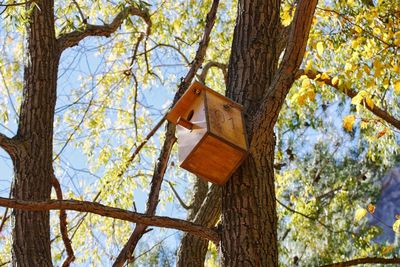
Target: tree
x,y
268,48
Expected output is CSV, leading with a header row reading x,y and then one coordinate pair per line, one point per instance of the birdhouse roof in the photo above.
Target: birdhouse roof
x,y
185,102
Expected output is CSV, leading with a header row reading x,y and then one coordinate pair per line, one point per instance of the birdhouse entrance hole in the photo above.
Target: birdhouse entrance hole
x,y
190,115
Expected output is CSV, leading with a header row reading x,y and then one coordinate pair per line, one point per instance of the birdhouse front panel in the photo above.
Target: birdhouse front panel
x,y
211,134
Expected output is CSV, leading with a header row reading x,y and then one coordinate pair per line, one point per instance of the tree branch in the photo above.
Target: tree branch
x,y
84,19
8,144
111,212
183,204
367,260
299,30
163,158
63,225
312,218
5,215
192,251
206,68
73,38
351,93
265,116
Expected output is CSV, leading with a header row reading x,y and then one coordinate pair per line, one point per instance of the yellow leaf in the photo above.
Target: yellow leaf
x,y
310,94
360,213
371,208
377,64
348,122
397,87
308,65
305,83
301,99
335,80
369,102
285,16
378,72
386,83
377,31
320,48
386,250
396,226
382,133
359,97
324,76
363,125
397,216
367,69
348,67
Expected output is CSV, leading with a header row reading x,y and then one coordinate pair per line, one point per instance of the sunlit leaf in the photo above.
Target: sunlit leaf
x,y
371,208
387,249
320,48
348,122
396,226
359,214
397,87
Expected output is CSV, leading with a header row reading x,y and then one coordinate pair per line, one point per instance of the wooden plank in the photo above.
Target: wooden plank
x,y
188,139
213,160
185,102
226,120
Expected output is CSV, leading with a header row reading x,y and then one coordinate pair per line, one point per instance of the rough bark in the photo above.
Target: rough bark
x,y
249,234
193,250
33,160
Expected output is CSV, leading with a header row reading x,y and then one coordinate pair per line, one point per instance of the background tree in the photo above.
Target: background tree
x,y
112,91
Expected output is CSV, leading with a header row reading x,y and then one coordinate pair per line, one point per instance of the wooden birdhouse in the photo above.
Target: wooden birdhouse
x,y
211,133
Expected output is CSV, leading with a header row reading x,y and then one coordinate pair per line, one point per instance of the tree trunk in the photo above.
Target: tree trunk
x,y
249,234
192,251
33,160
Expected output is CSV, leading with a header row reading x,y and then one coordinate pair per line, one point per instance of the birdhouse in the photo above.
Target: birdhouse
x,y
211,133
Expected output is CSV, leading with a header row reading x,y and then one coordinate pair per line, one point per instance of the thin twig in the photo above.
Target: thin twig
x,y
5,215
75,129
63,224
73,38
206,68
124,168
356,25
84,19
367,260
309,217
186,207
